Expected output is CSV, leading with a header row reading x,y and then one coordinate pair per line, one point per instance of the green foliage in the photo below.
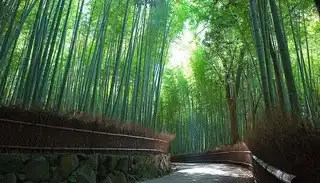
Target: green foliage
x,y
107,58
226,74
103,57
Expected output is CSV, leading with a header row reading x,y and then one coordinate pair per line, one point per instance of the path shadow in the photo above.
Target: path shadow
x,y
207,173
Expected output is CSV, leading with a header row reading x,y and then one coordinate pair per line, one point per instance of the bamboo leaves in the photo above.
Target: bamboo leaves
x,y
88,56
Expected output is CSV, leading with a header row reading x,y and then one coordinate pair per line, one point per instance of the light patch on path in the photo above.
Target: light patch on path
x,y
207,173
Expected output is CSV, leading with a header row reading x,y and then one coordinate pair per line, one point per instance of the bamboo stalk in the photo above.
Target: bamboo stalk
x,y
283,176
75,149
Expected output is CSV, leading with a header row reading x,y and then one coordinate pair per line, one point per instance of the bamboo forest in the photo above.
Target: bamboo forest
x,y
208,71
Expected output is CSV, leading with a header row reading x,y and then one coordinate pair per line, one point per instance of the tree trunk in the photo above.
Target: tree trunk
x,y
285,57
260,53
233,115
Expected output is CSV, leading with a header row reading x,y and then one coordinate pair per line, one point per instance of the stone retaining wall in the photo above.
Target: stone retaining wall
x,y
80,168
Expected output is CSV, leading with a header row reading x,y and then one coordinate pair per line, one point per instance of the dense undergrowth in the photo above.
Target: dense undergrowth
x,y
80,121
289,144
240,146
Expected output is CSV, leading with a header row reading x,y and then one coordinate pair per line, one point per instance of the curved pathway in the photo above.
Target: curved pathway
x,y
207,173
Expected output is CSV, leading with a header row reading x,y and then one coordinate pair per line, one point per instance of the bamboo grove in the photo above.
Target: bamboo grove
x,y
108,58
103,57
258,58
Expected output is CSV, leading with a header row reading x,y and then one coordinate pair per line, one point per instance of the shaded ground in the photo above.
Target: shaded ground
x,y
207,173
230,157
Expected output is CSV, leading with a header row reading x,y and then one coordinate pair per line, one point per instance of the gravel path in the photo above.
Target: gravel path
x,y
207,173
